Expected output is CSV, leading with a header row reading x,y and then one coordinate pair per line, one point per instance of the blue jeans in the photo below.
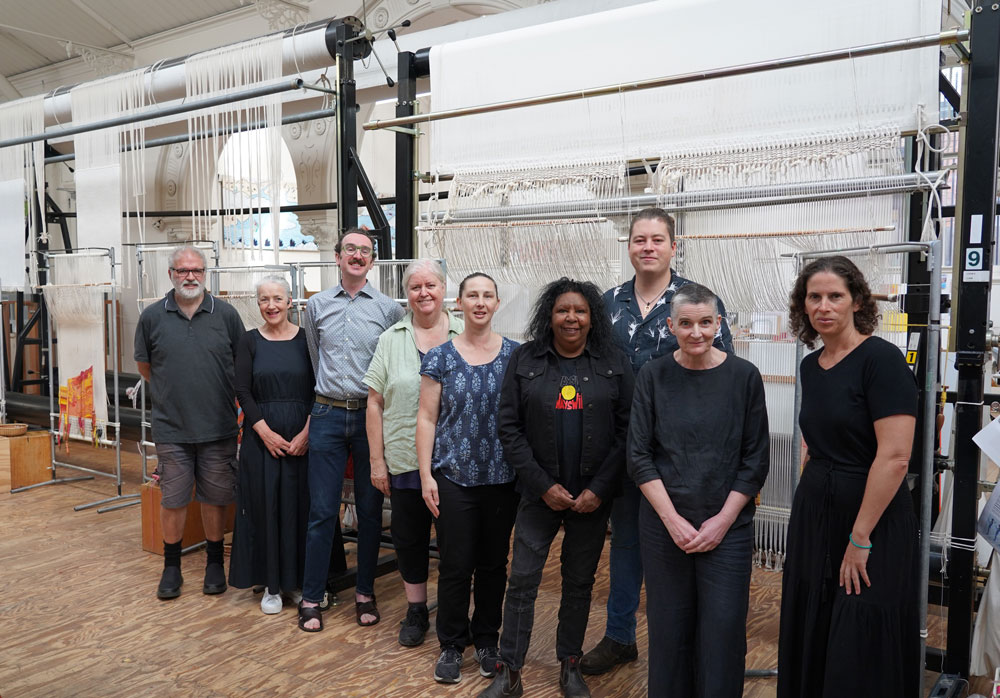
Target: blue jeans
x,y
696,612
626,566
333,434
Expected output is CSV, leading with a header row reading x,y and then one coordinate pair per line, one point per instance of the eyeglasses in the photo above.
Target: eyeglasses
x,y
184,272
363,249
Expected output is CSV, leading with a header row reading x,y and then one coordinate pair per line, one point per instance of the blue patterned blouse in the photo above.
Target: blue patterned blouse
x,y
467,448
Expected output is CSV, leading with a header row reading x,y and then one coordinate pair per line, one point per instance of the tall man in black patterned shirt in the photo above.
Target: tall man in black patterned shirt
x,y
342,327
639,309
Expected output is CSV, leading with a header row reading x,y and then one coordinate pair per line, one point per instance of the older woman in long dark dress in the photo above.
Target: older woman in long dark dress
x,y
563,419
274,384
698,449
849,598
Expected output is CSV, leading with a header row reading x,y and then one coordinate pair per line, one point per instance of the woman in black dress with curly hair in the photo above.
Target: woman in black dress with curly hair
x,y
849,604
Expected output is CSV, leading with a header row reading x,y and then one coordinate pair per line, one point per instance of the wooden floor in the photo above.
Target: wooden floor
x,y
79,617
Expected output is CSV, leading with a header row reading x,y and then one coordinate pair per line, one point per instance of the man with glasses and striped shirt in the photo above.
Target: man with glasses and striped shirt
x,y
342,327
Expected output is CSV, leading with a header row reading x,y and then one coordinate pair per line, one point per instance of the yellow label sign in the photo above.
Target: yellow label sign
x,y
911,357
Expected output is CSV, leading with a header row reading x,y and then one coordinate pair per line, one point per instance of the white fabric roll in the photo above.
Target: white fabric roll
x,y
672,37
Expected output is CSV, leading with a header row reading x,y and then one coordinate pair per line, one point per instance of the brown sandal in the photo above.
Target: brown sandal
x,y
308,613
362,608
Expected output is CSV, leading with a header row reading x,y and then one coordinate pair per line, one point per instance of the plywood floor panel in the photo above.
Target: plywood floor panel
x,y
79,617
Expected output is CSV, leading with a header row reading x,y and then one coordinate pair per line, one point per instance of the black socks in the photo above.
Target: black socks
x,y
171,554
214,550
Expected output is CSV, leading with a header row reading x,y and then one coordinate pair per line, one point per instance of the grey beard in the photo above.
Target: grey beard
x,y
189,295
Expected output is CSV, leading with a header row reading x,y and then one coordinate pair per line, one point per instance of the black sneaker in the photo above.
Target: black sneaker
x,y
570,680
415,626
170,583
449,666
606,656
215,579
506,683
488,658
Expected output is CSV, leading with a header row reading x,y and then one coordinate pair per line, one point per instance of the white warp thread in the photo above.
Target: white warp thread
x,y
225,70
99,161
18,165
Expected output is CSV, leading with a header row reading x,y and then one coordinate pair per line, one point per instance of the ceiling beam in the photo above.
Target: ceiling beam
x,y
25,46
8,90
97,17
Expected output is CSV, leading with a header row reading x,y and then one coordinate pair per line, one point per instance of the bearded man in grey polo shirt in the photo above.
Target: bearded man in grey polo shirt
x,y
342,327
185,346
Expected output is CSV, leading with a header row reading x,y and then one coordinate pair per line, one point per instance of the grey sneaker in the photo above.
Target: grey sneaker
x,y
488,658
449,666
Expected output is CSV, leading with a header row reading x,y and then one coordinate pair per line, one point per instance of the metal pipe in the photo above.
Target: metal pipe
x,y
201,135
892,248
931,390
277,88
712,200
942,39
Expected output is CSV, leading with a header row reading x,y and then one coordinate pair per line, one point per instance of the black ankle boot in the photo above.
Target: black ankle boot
x,y
506,683
571,681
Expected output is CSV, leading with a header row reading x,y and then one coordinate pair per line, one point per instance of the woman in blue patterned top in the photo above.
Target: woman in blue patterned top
x,y
465,481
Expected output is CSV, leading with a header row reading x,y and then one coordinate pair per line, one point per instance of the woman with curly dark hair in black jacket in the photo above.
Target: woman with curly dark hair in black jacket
x,y
564,409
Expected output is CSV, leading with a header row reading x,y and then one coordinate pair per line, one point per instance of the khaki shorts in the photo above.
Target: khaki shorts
x,y
211,466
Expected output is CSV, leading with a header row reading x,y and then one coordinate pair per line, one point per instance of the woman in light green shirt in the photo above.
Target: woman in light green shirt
x,y
393,381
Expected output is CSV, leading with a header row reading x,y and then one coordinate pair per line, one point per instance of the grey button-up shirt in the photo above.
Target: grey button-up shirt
x,y
342,333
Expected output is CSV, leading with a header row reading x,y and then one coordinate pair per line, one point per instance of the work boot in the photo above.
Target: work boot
x,y
506,683
606,655
570,680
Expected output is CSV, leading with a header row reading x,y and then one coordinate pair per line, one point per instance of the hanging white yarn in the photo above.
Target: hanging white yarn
x,y
21,167
104,177
225,70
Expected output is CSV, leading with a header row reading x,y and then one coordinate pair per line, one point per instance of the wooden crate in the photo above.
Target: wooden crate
x,y
152,532
28,457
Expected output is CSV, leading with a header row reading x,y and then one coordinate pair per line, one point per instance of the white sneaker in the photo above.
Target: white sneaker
x,y
270,603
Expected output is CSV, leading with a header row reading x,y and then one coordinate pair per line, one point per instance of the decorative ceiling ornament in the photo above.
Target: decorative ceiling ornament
x,y
280,14
101,62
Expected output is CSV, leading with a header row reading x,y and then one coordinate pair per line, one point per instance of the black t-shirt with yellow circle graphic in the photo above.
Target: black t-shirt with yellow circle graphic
x,y
569,427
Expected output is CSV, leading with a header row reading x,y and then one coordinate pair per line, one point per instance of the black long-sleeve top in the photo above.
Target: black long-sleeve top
x,y
527,418
284,373
703,433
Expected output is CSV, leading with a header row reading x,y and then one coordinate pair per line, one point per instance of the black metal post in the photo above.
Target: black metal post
x,y
348,49
973,267
406,185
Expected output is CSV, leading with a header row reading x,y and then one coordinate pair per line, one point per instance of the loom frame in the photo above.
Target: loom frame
x,y
978,159
120,499
978,163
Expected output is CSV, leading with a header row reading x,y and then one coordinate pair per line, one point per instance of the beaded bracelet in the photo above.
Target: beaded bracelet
x,y
850,537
